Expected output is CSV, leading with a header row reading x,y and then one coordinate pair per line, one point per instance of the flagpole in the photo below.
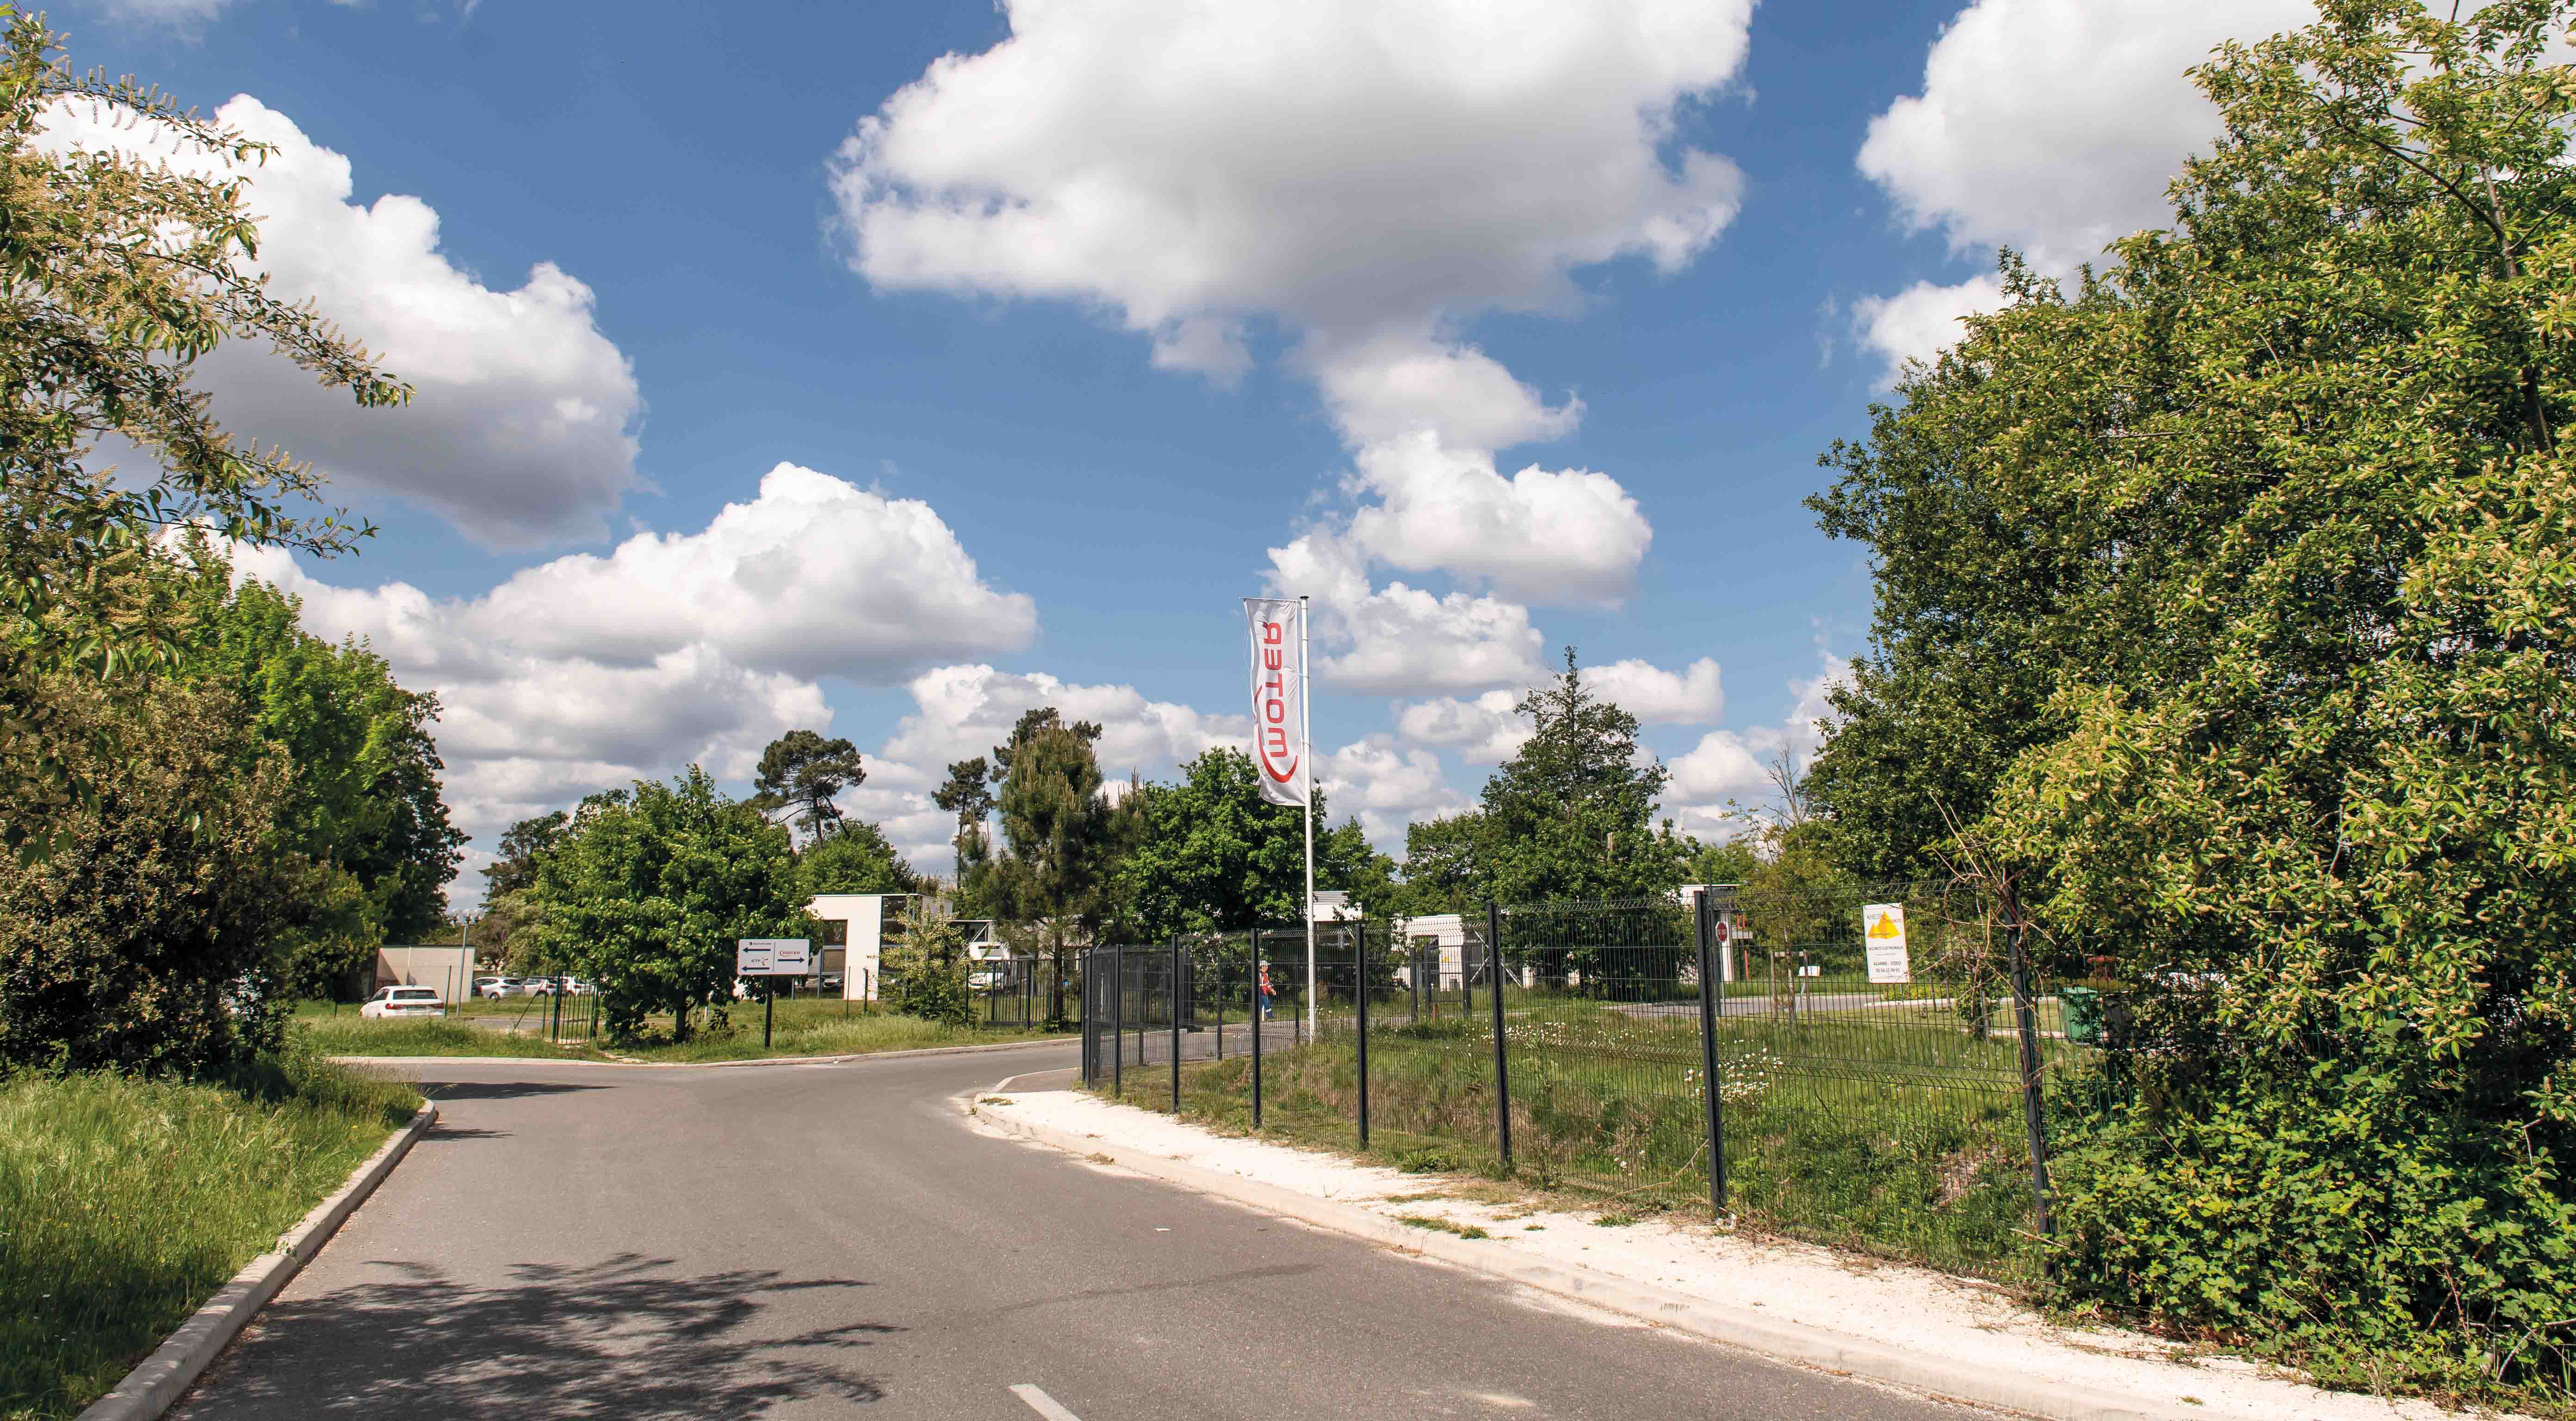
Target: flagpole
x,y
1306,719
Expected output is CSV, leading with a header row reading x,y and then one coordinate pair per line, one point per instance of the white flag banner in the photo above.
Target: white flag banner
x,y
1278,697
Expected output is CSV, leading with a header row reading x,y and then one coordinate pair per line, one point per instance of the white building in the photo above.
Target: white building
x,y
447,967
853,939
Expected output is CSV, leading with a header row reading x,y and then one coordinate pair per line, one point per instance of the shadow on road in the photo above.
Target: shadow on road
x,y
444,1133
620,1338
496,1090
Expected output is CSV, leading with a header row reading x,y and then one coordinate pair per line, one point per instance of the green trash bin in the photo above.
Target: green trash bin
x,y
2081,1007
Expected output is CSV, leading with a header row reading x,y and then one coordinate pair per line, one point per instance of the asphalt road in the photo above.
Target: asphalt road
x,y
810,1241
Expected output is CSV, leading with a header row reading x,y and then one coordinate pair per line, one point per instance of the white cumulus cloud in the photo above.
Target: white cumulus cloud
x,y
521,427
523,733
1921,321
1346,166
1386,787
1735,765
1484,731
585,672
1367,175
963,711
814,576
1655,696
2051,126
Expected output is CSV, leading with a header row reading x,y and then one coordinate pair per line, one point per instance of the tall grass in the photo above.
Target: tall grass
x,y
1899,1134
428,1036
125,1203
807,1026
817,1028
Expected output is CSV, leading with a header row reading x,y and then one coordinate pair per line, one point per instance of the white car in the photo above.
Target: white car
x,y
496,988
402,1001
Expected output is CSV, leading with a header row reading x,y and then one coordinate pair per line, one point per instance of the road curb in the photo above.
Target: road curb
x,y
155,1385
1838,1353
715,1065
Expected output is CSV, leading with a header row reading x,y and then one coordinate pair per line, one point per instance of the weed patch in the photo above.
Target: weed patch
x,y
1438,1225
125,1203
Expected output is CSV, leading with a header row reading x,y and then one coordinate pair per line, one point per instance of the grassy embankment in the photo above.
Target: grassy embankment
x,y
125,1203
1897,1134
806,1026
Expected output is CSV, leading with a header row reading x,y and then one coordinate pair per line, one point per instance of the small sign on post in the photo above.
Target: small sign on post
x,y
1883,935
773,956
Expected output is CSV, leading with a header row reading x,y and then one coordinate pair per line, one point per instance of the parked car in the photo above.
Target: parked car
x,y
575,987
499,987
402,1001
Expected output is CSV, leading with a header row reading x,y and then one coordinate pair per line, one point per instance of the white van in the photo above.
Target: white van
x,y
402,1001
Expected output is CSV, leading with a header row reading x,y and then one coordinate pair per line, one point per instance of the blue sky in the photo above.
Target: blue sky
x,y
1123,311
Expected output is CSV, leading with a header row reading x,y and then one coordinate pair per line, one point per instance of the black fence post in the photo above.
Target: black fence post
x,y
1712,1006
1179,988
1360,993
768,1012
1118,1022
1261,1018
2034,1118
1502,1065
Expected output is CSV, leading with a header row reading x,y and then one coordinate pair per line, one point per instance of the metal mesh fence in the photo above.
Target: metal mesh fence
x,y
1893,1111
1896,1117
1019,994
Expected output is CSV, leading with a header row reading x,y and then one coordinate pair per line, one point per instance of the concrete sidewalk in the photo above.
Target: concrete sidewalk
x,y
1911,1327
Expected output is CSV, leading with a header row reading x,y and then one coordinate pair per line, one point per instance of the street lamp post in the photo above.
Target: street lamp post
x,y
464,960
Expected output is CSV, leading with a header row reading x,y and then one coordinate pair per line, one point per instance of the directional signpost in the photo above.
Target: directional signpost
x,y
771,957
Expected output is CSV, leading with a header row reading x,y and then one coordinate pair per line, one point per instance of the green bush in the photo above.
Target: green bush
x,y
925,970
2223,604
2342,1219
141,939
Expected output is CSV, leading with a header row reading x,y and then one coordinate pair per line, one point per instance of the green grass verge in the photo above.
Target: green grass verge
x,y
125,1203
430,1036
1897,1133
821,1031
805,1027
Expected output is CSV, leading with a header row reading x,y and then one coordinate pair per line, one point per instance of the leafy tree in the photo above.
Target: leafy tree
x,y
142,941
514,869
1214,856
1733,860
647,888
122,273
968,794
500,935
1569,816
804,771
1057,833
365,802
858,859
2224,599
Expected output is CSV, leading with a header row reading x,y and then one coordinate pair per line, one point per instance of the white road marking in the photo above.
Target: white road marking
x,y
1042,1404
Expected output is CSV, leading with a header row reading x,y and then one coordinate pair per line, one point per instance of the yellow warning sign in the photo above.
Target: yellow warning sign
x,y
1883,937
